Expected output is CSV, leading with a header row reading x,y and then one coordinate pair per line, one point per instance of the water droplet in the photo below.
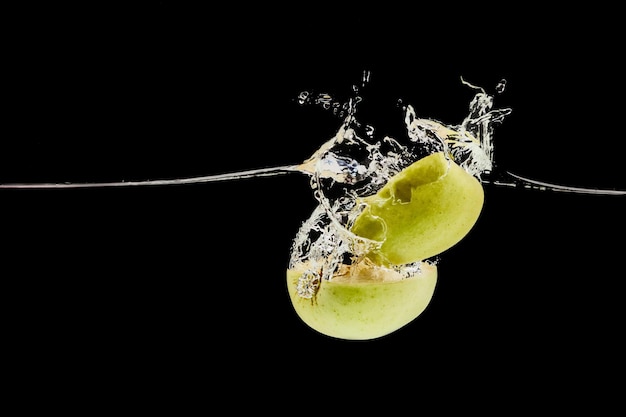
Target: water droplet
x,y
501,86
303,97
366,77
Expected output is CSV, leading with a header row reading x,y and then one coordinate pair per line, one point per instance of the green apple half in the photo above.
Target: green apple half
x,y
422,211
363,301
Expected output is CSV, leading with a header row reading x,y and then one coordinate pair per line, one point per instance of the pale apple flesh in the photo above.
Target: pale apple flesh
x,y
366,303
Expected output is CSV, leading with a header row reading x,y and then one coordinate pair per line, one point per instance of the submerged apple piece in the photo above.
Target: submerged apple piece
x,y
363,301
422,211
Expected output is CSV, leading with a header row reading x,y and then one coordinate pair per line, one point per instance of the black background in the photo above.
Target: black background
x,y
177,288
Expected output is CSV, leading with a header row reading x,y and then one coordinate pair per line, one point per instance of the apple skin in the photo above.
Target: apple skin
x,y
363,309
422,211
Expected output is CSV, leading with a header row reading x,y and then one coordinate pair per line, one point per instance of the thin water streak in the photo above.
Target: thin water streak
x,y
231,176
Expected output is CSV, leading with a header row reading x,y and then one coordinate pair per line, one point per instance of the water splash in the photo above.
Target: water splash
x,y
355,163
351,166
